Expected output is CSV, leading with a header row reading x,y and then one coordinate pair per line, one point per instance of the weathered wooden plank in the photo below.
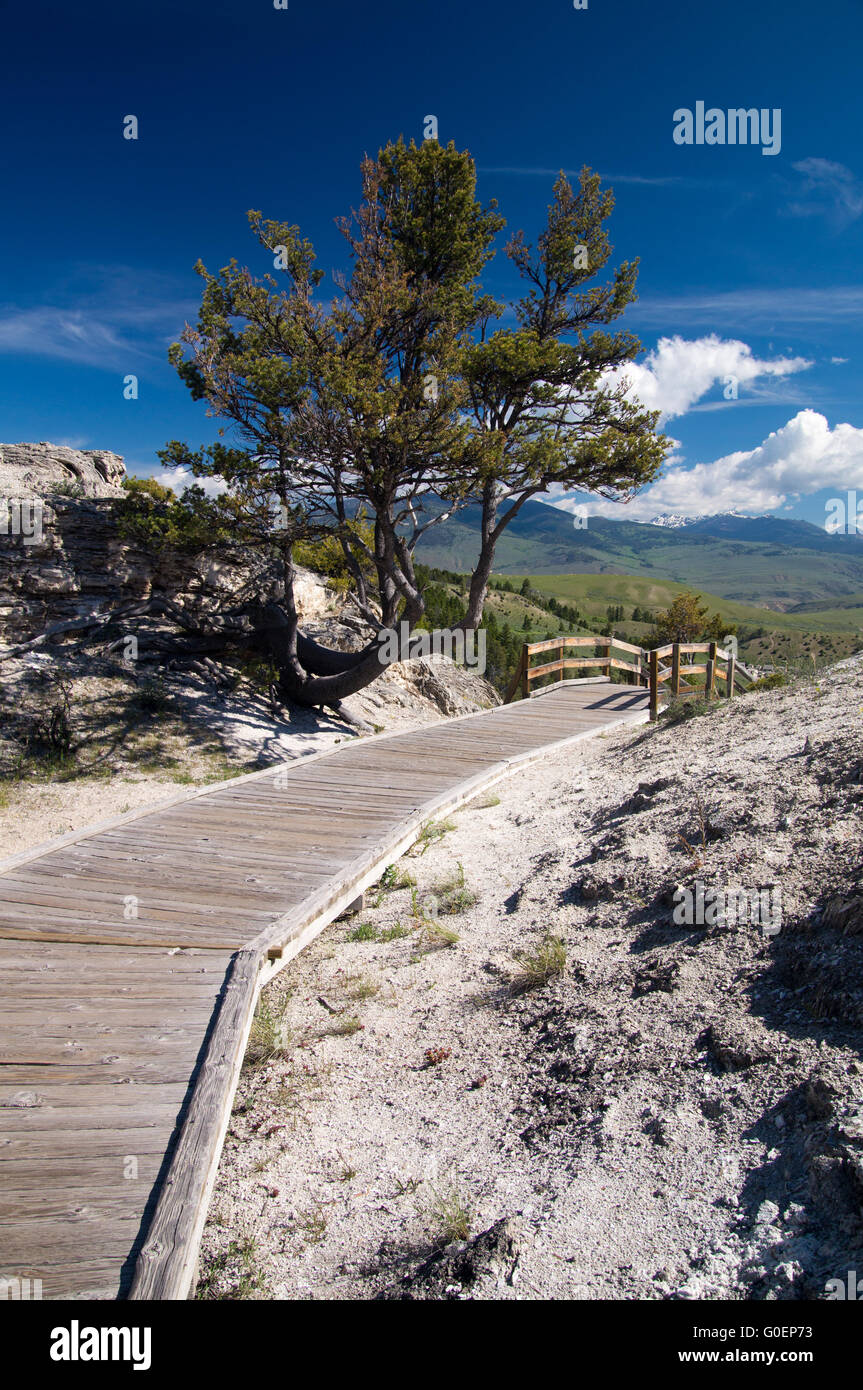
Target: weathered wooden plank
x,y
40,1147
118,1120
32,901
168,1069
77,1279
95,1171
82,1205
626,646
111,934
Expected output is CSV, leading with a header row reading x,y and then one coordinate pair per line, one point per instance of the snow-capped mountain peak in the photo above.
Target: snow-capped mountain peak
x,y
672,519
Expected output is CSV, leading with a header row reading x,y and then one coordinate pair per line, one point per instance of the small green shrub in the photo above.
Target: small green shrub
x,y
430,832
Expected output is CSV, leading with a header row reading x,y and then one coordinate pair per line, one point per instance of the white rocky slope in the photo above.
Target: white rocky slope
x,y
678,1115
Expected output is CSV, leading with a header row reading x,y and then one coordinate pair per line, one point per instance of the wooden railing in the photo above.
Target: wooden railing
x,y
645,668
720,669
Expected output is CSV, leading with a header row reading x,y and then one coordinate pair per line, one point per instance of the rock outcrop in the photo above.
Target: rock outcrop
x,y
77,562
69,559
39,470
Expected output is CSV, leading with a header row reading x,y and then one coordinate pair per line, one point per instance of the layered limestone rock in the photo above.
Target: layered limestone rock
x,y
38,470
63,557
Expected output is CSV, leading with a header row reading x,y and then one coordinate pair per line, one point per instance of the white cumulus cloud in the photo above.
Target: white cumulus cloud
x,y
678,372
178,479
801,458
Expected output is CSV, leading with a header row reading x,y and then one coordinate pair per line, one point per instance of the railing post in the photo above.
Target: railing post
x,y
710,681
710,676
525,683
654,686
675,669
729,675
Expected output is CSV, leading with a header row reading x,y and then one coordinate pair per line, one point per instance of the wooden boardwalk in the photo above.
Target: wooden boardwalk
x,y
131,956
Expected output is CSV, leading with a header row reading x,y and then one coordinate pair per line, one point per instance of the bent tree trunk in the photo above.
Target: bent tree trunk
x,y
309,674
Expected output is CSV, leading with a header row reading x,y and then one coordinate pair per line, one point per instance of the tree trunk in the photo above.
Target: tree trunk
x,y
482,570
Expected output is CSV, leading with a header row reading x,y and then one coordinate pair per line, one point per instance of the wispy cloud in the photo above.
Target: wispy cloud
x,y
534,171
828,190
107,316
754,308
68,334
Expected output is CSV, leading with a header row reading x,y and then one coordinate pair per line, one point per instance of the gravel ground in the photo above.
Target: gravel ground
x,y
677,1113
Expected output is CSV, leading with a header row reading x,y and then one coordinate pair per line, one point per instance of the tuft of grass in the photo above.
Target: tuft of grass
x,y
360,988
483,802
248,1282
269,1036
540,964
430,832
703,826
404,879
347,1172
434,936
312,1224
343,1027
452,893
449,1214
364,931
395,933
419,911
392,880
384,885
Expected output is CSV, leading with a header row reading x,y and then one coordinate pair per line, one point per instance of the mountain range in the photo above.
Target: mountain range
x,y
784,564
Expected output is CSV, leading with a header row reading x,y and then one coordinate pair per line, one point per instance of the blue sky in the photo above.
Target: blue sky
x,y
749,261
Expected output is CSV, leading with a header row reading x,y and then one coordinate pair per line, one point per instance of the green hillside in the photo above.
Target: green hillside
x,y
765,636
